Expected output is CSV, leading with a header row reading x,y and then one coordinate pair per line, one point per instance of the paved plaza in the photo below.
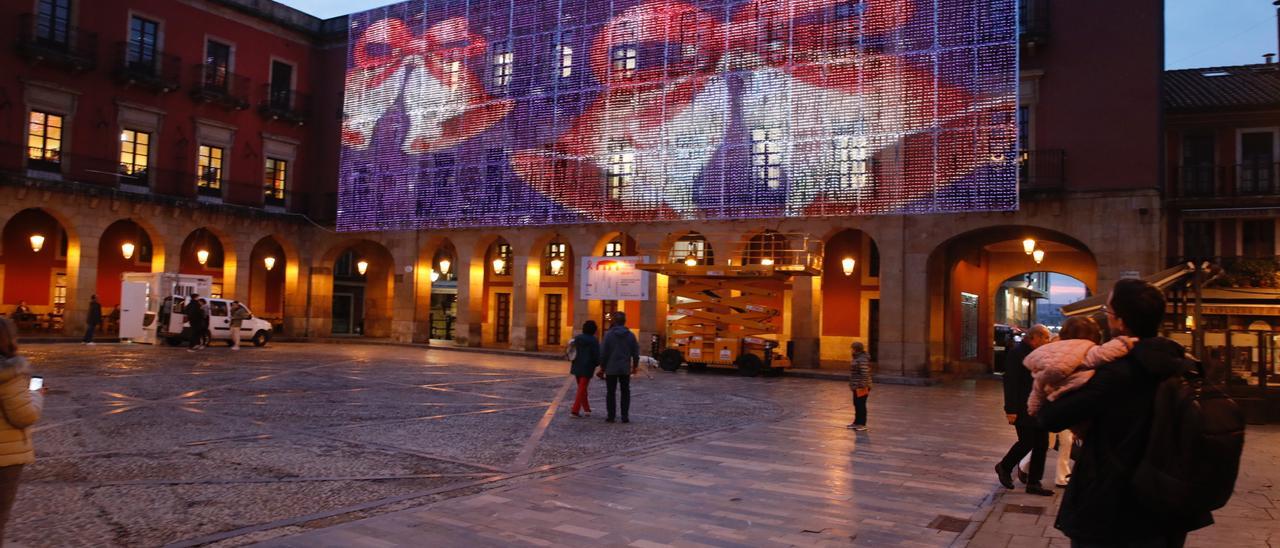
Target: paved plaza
x,y
364,445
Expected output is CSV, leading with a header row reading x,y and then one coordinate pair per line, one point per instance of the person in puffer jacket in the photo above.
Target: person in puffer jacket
x,y
21,410
1068,363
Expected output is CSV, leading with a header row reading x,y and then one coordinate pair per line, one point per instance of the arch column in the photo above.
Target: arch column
x,y
236,269
469,327
653,312
404,292
583,309
806,321
82,279
526,283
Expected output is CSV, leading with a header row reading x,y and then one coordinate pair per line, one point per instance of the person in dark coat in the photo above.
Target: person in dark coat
x,y
93,320
585,360
1031,437
198,322
620,358
1099,507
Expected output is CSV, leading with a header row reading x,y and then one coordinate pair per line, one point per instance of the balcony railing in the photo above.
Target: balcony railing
x,y
66,46
1042,169
152,69
287,105
1260,271
216,84
1033,22
1227,181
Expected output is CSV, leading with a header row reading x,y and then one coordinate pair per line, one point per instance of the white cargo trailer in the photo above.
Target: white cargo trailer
x,y
147,310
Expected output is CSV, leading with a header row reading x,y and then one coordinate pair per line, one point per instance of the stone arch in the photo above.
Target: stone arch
x,y
220,261
146,254
675,244
850,301
351,303
269,288
498,290
439,265
628,243
552,290
47,278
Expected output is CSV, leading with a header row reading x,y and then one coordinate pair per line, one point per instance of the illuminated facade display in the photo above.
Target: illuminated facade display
x,y
532,112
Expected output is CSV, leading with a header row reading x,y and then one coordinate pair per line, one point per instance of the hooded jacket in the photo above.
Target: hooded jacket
x,y
1099,504
588,355
21,408
621,350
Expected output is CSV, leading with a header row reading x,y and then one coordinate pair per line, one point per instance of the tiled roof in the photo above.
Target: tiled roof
x,y
1244,86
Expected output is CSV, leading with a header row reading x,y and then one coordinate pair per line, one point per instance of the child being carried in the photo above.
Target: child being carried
x,y
1069,362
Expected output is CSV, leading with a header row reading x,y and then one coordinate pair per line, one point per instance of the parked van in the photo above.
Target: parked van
x,y
254,329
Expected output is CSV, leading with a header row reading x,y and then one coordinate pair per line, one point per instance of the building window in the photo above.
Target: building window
x,y
1198,240
1197,170
144,43
453,74
553,319
502,251
59,292
692,245
556,251
502,61
1258,238
44,140
1257,162
209,168
53,22
277,173
851,161
135,149
566,61
968,326
613,249
281,87
766,155
502,317
217,65
622,168
624,61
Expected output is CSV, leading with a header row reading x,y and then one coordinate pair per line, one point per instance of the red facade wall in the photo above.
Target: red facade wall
x,y
968,277
842,295
111,262
28,275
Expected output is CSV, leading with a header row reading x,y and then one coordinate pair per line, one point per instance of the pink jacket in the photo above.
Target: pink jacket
x,y
1062,366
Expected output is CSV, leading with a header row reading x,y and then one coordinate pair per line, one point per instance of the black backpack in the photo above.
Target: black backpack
x,y
1193,451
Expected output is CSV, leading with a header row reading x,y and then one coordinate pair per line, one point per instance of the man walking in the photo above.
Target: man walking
x,y
196,319
1100,506
238,315
94,319
620,358
1031,437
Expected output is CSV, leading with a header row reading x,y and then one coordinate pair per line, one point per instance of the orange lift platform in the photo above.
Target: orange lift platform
x,y
732,315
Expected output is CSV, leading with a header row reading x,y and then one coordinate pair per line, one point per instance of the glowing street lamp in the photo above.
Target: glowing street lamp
x,y
126,249
362,267
269,262
37,242
202,256
1038,255
556,265
435,276
499,265
766,262
444,266
690,261
847,265
1029,246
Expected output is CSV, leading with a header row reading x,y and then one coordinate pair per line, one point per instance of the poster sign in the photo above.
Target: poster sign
x,y
614,279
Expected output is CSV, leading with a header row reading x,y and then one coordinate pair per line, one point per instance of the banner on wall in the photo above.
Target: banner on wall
x,y
614,279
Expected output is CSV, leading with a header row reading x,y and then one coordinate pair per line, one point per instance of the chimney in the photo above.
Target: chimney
x,y
1270,57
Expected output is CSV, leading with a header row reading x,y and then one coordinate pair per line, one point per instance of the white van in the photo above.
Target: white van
x,y
254,329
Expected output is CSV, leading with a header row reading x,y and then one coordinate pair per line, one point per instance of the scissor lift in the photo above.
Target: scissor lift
x,y
732,315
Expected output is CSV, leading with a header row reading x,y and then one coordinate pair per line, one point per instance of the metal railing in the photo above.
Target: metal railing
x,y
1033,22
288,105
1227,181
217,84
153,69
62,45
1042,169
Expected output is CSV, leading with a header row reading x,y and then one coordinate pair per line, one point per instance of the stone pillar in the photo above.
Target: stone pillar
x,y
297,296
236,270
469,328
422,299
403,303
806,321
905,279
82,281
320,310
526,278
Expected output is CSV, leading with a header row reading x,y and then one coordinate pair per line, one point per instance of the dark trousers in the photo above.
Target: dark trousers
x,y
197,335
1031,438
860,408
8,492
88,332
613,381
1173,540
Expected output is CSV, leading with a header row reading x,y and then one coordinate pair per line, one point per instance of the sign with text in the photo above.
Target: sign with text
x,y
614,279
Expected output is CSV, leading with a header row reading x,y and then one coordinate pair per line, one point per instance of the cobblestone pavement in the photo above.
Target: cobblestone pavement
x,y
347,445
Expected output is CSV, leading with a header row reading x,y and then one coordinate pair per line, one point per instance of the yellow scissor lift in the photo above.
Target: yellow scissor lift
x,y
732,315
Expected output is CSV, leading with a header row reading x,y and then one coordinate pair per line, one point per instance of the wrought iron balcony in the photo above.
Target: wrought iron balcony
x,y
1248,179
42,41
1033,22
1042,169
287,105
149,68
216,84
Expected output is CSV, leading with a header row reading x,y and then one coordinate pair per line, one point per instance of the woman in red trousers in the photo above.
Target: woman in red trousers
x,y
586,358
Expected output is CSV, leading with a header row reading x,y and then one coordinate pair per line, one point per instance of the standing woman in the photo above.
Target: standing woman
x,y
585,360
21,408
860,384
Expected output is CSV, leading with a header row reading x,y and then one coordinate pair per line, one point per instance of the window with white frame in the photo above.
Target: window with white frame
x,y
766,155
135,149
566,55
275,176
209,171
613,249
503,59
624,61
620,171
44,139
851,161
691,246
556,259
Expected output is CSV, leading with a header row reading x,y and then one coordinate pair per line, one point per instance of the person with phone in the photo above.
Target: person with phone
x,y
860,385
22,406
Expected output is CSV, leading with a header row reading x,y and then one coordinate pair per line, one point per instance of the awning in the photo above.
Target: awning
x,y
1161,280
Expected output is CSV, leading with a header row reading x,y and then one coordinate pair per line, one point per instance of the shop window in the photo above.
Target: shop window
x,y
44,140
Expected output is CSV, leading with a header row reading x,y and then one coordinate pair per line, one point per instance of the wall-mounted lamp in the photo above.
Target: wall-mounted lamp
x,y
37,242
1028,245
847,264
435,276
690,261
557,265
444,266
1038,255
499,265
202,256
269,262
126,249
362,267
766,262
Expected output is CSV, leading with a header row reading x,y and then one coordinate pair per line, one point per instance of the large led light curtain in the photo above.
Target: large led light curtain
x,y
465,113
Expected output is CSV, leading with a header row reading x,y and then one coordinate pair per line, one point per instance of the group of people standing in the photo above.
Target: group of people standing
x,y
198,313
1104,393
614,361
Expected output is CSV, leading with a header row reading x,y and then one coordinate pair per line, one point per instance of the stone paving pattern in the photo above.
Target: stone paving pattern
x,y
358,445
